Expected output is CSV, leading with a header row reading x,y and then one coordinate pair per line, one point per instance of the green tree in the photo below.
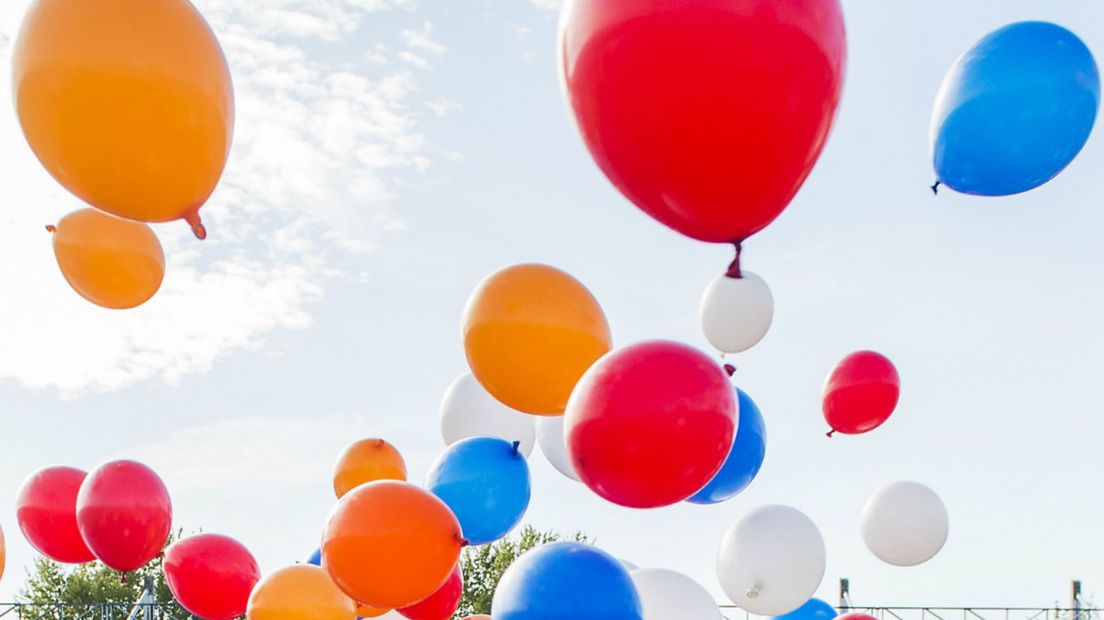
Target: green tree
x,y
483,566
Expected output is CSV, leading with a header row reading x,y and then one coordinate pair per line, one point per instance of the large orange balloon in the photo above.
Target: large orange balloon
x,y
111,262
390,544
364,461
367,611
127,103
530,332
300,592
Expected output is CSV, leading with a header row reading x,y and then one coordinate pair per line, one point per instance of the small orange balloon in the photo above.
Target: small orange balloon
x,y
127,103
111,262
390,544
367,611
530,332
364,461
299,592
477,617
3,553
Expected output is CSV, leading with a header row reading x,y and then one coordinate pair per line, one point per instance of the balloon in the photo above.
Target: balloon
x,y
650,424
744,459
111,262
211,575
299,592
861,393
550,436
367,611
3,553
477,617
905,524
485,482
315,557
669,595
364,461
566,580
855,615
390,544
627,565
441,604
771,561
47,514
813,609
124,514
1014,110
530,331
707,115
127,103
469,411
736,312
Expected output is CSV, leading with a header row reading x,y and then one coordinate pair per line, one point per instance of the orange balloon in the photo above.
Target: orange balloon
x,y
111,262
127,103
390,544
367,611
299,592
364,461
3,553
477,617
530,332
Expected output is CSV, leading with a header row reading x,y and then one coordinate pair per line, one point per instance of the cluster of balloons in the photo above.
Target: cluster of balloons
x,y
121,515
128,104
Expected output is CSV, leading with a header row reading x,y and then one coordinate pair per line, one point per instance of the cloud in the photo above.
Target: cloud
x,y
326,129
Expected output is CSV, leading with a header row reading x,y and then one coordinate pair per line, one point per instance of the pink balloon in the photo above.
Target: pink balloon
x,y
211,575
47,514
124,514
441,604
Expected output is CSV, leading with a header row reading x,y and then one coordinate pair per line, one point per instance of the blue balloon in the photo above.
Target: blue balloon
x,y
813,609
566,580
1014,110
485,481
315,558
744,460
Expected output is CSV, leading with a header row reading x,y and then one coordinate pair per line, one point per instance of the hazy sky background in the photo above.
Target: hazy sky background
x,y
391,153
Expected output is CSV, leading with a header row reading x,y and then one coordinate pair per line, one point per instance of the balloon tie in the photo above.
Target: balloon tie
x,y
935,187
50,228
830,433
517,445
197,225
122,578
464,543
730,369
734,266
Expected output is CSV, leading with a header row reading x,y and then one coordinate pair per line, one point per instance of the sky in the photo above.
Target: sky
x,y
389,154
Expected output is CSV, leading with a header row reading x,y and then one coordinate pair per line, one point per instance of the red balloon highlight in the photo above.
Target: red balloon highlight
x,y
211,575
124,514
861,393
707,115
441,604
650,424
47,514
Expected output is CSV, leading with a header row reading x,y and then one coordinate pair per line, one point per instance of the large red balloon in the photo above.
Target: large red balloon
x,y
441,604
211,575
124,514
861,393
650,424
707,114
47,514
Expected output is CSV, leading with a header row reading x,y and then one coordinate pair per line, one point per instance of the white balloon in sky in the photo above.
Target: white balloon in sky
x,y
736,312
550,436
905,524
669,595
771,561
468,410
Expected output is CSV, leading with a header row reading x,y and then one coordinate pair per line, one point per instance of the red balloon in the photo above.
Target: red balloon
x,y
211,575
124,514
47,514
650,424
855,615
441,604
706,114
861,393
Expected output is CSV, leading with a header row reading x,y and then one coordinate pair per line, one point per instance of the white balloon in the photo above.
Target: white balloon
x,y
550,435
771,561
736,312
669,595
468,410
905,524
627,565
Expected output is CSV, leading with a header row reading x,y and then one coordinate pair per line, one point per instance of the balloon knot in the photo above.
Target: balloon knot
x,y
50,228
734,266
830,433
730,369
935,187
122,578
517,445
198,229
464,542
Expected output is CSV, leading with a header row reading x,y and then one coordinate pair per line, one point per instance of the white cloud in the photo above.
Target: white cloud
x,y
321,140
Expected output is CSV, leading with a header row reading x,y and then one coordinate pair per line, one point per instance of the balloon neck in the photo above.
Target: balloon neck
x,y
935,187
830,433
51,228
198,229
517,445
464,543
753,592
734,266
730,369
122,578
